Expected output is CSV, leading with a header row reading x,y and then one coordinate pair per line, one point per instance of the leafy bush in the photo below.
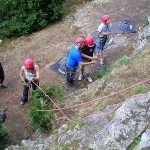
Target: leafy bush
x,y
26,16
42,120
3,136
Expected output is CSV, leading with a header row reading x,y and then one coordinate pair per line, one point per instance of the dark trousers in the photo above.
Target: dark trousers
x,y
2,77
26,91
70,73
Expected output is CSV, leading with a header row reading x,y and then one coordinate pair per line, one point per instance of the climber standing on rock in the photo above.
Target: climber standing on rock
x,y
29,75
104,33
74,59
87,53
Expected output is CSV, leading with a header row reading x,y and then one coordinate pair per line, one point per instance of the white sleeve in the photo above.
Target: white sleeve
x,y
100,28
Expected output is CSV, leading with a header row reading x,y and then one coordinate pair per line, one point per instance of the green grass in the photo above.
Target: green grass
x,y
106,69
103,72
145,20
82,124
148,37
134,143
139,89
104,104
72,124
120,61
61,147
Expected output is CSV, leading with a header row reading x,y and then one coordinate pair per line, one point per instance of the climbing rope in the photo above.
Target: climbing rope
x,y
51,100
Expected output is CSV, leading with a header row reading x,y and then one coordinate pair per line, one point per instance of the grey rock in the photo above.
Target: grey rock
x,y
40,146
16,147
30,144
129,121
145,141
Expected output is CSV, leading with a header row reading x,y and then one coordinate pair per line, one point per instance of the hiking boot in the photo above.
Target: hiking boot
x,y
102,62
2,86
80,77
89,79
22,103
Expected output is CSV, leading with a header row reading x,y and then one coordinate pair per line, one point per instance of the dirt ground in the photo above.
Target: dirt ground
x,y
49,45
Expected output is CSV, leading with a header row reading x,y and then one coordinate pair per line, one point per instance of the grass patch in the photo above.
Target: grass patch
x,y
148,37
72,124
134,143
104,104
145,20
103,72
139,89
106,69
61,147
82,124
120,61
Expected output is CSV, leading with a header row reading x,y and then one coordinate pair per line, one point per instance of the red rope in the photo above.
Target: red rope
x,y
14,95
111,111
107,96
51,101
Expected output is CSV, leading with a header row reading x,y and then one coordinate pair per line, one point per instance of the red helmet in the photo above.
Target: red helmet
x,y
79,39
28,63
105,18
89,40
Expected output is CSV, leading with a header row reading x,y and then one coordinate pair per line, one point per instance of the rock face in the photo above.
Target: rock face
x,y
130,120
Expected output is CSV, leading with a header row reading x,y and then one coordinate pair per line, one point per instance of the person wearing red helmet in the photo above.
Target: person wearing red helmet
x,y
74,59
29,74
87,56
104,33
2,77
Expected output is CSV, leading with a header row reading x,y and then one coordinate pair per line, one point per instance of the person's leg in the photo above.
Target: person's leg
x,y
81,73
102,44
24,97
34,86
2,78
67,75
72,74
87,71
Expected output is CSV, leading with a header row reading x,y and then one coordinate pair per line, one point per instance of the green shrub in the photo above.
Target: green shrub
x,y
26,16
139,89
3,137
42,120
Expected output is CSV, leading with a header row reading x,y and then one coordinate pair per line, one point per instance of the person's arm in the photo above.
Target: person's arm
x,y
100,28
86,63
104,34
22,76
86,56
37,74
